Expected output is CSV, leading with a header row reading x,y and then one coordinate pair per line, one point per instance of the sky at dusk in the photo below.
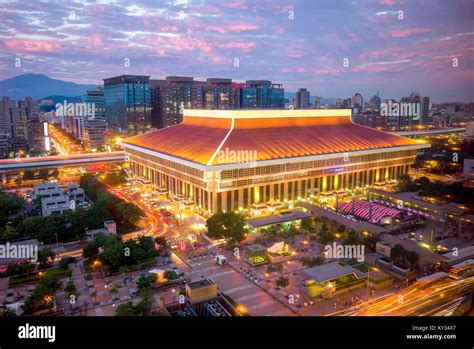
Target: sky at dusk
x,y
294,42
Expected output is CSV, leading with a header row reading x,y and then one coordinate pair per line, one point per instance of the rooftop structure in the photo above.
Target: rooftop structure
x,y
231,159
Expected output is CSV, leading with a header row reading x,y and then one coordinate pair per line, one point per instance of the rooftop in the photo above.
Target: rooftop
x,y
266,134
331,271
276,219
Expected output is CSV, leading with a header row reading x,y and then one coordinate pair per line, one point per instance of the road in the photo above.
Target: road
x,y
439,299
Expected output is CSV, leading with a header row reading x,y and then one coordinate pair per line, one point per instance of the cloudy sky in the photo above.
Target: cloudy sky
x,y
299,43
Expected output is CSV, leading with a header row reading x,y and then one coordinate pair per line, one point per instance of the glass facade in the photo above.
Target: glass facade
x,y
96,96
128,102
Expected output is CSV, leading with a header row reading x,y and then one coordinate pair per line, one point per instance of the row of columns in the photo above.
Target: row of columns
x,y
291,190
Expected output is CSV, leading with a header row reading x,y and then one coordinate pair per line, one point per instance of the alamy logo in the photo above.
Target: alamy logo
x,y
336,251
401,109
227,156
76,109
11,251
37,332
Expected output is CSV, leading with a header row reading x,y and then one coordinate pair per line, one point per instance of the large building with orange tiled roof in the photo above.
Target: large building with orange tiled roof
x,y
231,159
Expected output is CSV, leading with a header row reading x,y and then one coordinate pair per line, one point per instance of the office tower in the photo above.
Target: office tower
x,y
317,102
128,103
78,127
425,111
302,99
8,112
357,101
171,96
94,134
96,96
375,102
29,108
37,136
221,94
262,94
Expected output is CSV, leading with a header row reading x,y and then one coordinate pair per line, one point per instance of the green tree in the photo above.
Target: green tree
x,y
353,238
283,282
115,179
326,237
42,296
45,257
397,253
306,223
146,281
226,225
129,212
413,258
70,288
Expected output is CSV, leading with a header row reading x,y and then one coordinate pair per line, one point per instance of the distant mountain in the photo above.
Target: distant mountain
x,y
38,85
59,99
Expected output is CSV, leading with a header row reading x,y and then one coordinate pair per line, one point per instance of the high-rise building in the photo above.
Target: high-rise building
x,y
94,133
128,103
317,102
8,110
29,108
302,99
96,96
38,136
262,94
221,94
375,102
171,96
78,127
425,111
357,101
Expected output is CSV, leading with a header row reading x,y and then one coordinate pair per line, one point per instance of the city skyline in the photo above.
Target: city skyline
x,y
245,40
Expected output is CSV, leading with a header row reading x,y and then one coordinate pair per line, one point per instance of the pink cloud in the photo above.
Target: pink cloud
x,y
388,2
233,28
21,45
409,32
245,46
236,4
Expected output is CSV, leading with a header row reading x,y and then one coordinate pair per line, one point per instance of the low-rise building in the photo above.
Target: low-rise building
x,y
55,205
201,291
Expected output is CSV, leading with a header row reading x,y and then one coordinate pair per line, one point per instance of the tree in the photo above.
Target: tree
x,y
129,212
226,225
70,288
142,308
312,261
22,268
115,179
126,309
306,223
161,242
370,240
397,252
353,238
283,282
412,257
146,281
45,257
326,237
405,183
43,295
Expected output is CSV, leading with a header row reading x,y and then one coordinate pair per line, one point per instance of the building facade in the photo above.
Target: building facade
x,y
128,103
229,160
302,99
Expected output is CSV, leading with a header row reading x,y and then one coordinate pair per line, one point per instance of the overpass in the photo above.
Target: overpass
x,y
430,132
58,161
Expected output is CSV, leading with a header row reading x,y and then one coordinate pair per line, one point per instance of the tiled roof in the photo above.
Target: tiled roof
x,y
198,138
